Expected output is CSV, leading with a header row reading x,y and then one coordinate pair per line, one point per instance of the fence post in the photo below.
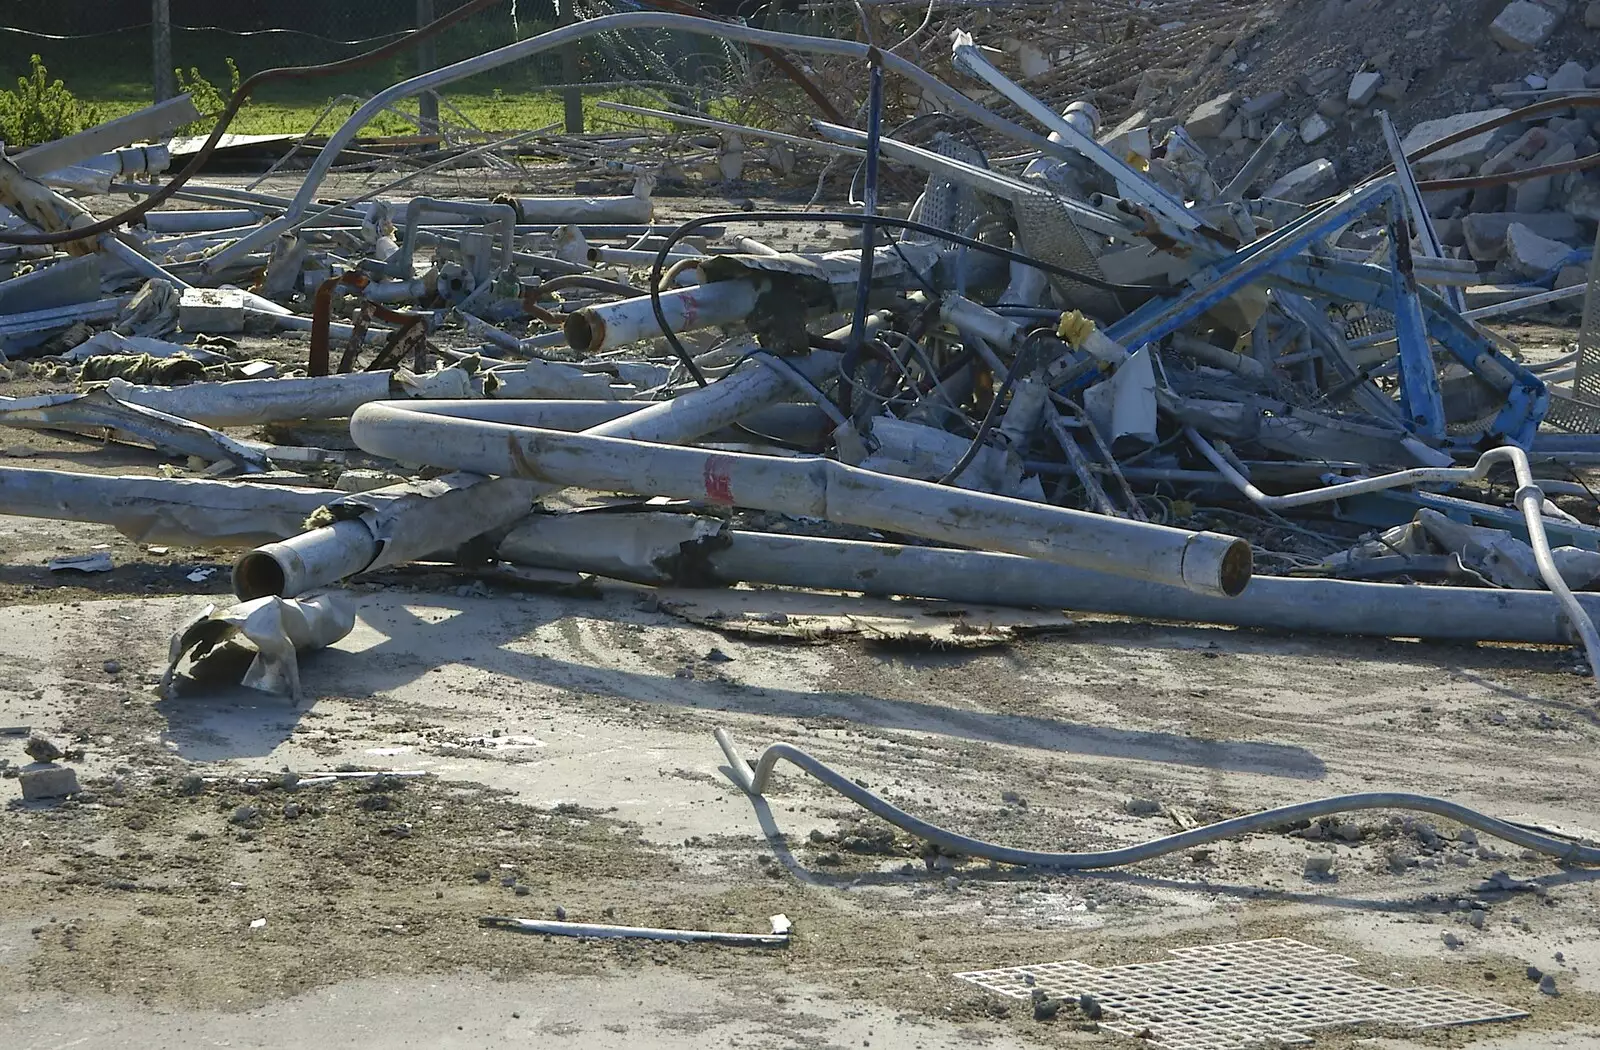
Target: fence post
x,y
571,97
427,58
162,81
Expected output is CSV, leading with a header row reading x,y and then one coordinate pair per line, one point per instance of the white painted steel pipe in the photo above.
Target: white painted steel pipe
x,y
200,221
600,255
1385,610
1529,499
822,488
150,123
322,556
636,208
247,402
597,328
165,510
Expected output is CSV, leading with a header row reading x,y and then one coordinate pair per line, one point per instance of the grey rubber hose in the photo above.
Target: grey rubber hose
x,y
754,783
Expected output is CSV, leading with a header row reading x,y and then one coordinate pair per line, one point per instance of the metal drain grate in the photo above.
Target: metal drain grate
x,y
1224,996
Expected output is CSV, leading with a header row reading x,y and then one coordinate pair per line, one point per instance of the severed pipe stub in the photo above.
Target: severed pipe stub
x,y
1217,564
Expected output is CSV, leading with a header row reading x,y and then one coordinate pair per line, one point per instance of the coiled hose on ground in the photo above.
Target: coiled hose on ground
x,y
754,782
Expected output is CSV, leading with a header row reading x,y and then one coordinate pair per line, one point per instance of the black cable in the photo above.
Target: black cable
x,y
994,406
691,225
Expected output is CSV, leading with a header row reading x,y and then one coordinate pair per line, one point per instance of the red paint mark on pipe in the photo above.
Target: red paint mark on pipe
x,y
719,487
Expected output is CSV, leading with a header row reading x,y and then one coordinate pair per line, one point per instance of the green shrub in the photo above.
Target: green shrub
x,y
206,97
41,109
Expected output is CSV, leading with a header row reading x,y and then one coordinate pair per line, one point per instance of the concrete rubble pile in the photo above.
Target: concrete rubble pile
x,y
1100,375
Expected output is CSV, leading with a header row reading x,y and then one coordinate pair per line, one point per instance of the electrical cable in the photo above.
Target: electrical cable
x,y
753,781
691,225
990,416
199,160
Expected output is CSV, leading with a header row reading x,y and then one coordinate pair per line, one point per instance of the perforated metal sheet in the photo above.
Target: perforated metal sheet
x,y
1579,411
1245,993
945,204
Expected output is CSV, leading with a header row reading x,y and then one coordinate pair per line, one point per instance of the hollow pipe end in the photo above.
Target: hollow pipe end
x,y
585,333
1217,564
257,574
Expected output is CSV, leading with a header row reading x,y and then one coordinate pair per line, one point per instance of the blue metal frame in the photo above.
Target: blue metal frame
x,y
1420,314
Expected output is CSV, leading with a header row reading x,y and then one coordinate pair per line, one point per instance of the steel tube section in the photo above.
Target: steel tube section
x,y
1492,310
322,556
930,85
1274,603
737,129
172,510
969,58
61,316
219,220
609,325
248,402
1529,499
561,210
150,123
1208,562
601,253
984,180
597,930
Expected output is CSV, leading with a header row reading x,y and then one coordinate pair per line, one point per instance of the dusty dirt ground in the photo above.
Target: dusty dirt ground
x,y
193,895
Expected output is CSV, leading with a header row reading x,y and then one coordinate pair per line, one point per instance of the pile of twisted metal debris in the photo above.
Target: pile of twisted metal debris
x,y
1084,376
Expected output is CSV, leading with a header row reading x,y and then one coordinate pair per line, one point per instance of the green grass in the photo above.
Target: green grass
x,y
114,75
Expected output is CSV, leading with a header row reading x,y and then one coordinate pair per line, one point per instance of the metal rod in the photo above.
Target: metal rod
x,y
869,195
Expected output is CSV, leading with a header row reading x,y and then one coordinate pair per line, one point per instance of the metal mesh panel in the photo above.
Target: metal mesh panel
x,y
1579,412
1046,231
1245,993
946,204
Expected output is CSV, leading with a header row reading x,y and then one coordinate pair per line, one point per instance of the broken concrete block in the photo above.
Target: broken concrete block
x,y
1523,26
1209,118
1517,154
211,310
41,782
1262,105
1531,255
1307,183
1363,86
1591,15
1485,234
1234,131
1315,128
1534,194
1319,80
1472,151
1442,204
1567,129
1584,200
1572,275
1393,89
1570,77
